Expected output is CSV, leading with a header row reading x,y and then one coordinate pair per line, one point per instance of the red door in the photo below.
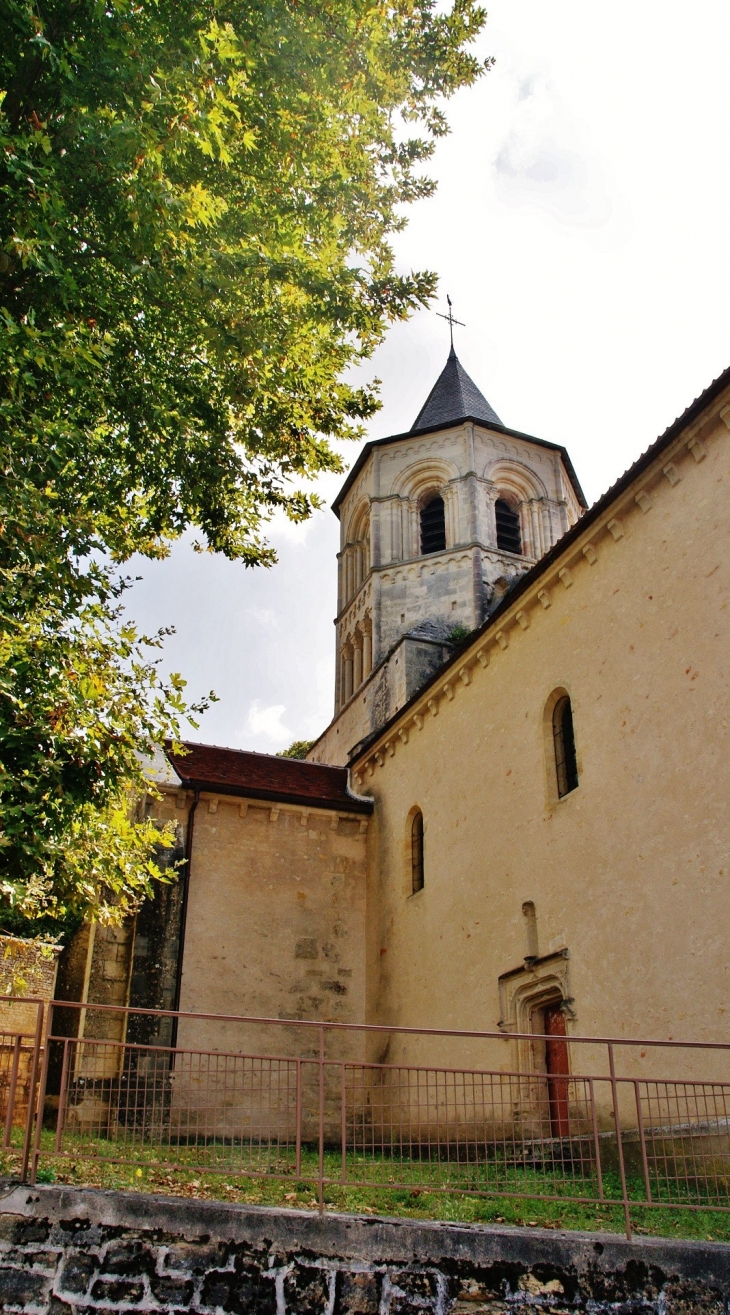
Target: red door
x,y
556,1064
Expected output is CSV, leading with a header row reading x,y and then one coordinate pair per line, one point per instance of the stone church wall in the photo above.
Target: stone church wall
x,y
628,874
275,920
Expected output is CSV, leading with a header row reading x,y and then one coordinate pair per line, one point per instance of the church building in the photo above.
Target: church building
x,y
520,803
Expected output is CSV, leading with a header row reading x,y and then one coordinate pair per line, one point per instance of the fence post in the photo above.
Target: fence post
x,y
39,1110
298,1131
642,1141
11,1093
619,1143
596,1142
343,1123
320,1176
38,1041
63,1098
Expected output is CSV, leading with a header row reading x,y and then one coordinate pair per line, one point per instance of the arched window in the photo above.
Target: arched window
x,y
566,768
417,853
508,527
433,525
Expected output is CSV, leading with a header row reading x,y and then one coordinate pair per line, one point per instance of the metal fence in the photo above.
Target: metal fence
x,y
598,1121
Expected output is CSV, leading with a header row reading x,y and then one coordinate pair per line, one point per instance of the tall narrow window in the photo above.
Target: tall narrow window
x,y
508,527
566,768
433,525
417,853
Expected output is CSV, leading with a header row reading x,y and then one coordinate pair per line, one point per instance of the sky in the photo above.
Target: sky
x,y
581,228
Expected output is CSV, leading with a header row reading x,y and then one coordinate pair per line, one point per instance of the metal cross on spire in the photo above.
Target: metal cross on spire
x,y
451,320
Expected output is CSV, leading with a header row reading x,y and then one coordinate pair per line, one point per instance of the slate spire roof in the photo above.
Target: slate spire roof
x,y
453,397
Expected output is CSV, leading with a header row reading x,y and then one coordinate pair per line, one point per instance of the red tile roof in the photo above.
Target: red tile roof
x,y
263,776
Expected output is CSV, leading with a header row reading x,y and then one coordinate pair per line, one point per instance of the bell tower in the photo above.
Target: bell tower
x,y
435,526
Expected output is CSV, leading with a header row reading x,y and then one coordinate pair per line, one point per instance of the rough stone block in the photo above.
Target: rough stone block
x,y
32,1230
218,1289
407,1306
692,1299
117,1290
77,1272
255,1294
246,1292
46,1260
172,1291
19,1288
194,1258
128,1259
10,1227
307,1290
357,1294
414,1284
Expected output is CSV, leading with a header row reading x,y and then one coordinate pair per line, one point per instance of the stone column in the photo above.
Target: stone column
x,y
357,661
537,548
491,495
349,589
347,655
414,525
367,647
396,532
338,676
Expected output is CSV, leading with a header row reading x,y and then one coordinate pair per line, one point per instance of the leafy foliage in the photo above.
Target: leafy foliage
x,y
458,634
297,749
195,205
81,703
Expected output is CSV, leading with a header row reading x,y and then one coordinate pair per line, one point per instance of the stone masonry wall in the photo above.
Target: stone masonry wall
x,y
67,1251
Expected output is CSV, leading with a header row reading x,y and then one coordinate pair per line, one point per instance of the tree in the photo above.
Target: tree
x,y
195,206
297,749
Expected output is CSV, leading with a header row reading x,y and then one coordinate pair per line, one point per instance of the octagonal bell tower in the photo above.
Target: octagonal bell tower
x,y
435,526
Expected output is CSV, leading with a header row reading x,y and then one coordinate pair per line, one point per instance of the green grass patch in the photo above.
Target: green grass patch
x,y
221,1172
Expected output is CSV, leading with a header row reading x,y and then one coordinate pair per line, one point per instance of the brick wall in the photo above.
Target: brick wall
x,y
27,968
70,1252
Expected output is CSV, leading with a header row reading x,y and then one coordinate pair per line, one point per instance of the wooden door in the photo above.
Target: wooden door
x,y
556,1064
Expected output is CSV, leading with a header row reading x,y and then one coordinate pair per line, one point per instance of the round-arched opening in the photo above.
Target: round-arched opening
x,y
509,536
433,525
566,766
417,871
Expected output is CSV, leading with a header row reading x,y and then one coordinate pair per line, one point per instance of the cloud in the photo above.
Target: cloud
x,y
541,162
266,723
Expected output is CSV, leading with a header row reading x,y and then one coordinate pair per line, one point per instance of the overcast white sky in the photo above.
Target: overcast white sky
x,y
581,228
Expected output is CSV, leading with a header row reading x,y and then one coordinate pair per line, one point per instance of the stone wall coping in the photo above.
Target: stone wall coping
x,y
372,1240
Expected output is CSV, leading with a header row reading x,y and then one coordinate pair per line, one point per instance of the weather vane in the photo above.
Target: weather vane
x,y
450,319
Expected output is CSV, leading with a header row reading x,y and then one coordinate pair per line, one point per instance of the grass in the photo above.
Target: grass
x,y
88,1164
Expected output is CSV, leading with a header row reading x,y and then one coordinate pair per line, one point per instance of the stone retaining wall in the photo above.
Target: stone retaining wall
x,y
66,1251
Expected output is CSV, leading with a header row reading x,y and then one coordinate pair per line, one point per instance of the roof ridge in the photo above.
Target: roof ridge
x,y
256,753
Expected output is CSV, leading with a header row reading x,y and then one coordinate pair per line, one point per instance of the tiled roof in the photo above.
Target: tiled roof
x,y
453,397
263,776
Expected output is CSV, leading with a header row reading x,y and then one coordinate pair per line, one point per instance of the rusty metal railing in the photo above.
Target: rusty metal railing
x,y
611,1122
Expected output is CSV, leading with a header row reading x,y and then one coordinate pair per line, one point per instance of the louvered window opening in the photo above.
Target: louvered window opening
x,y
508,527
433,526
566,767
417,853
